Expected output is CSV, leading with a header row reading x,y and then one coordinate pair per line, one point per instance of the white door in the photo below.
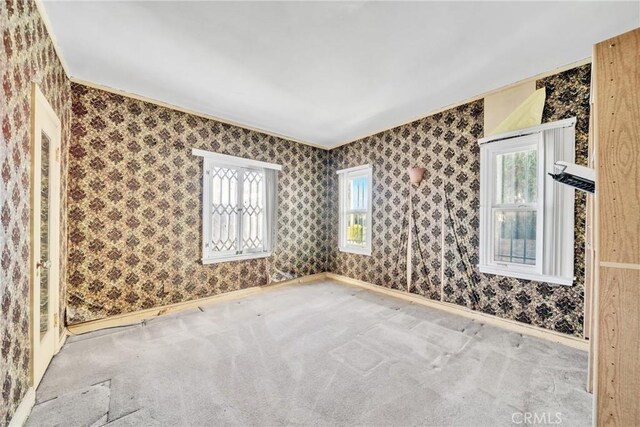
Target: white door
x,y
45,233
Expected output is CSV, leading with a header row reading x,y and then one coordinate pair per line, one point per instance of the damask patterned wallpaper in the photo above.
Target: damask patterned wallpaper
x,y
26,55
447,212
132,204
135,199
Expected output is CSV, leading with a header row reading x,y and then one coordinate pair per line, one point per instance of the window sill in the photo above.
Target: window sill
x,y
564,281
357,251
240,257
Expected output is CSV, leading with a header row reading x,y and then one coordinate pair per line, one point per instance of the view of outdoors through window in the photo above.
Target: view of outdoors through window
x,y
515,209
358,191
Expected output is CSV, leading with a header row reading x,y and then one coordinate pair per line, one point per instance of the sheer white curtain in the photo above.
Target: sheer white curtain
x,y
271,209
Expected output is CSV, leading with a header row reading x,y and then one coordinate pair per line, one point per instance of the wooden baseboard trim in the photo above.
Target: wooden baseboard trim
x,y
489,319
511,325
139,316
24,409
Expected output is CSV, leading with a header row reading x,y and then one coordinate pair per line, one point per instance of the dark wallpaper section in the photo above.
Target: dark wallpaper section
x,y
446,239
135,203
26,55
442,143
387,153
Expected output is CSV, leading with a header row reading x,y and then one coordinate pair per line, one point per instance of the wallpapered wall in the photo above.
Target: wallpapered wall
x,y
447,212
26,54
135,206
132,204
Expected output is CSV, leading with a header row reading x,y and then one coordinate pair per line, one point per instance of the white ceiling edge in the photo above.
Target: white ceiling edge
x,y
420,116
540,76
483,95
47,23
187,110
196,109
95,85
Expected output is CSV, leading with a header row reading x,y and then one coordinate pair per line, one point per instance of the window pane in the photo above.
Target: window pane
x,y
357,193
515,236
252,210
224,196
356,229
517,177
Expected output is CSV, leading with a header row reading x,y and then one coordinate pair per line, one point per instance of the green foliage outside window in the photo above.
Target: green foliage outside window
x,y
355,233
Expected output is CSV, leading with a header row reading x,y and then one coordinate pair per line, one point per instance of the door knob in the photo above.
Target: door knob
x,y
43,264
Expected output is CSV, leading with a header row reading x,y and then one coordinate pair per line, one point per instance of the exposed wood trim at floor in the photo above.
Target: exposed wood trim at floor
x,y
139,316
510,325
24,409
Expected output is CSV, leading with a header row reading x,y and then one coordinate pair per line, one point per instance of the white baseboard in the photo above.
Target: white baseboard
x,y
61,340
511,325
24,409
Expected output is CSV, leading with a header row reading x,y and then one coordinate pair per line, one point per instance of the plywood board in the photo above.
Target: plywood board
x,y
617,231
618,185
618,397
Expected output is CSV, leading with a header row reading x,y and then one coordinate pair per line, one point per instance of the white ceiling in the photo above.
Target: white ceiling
x,y
325,72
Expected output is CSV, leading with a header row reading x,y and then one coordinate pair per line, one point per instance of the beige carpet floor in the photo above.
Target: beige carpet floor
x,y
316,354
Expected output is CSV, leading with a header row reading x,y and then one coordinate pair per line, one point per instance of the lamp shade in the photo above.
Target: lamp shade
x,y
415,174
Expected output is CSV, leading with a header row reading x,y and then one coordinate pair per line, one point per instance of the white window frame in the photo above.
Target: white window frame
x,y
554,204
241,165
343,178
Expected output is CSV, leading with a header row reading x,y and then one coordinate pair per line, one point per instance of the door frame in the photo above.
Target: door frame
x,y
44,118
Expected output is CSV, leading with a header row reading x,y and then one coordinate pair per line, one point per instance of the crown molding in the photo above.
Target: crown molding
x,y
58,50
473,98
189,111
52,36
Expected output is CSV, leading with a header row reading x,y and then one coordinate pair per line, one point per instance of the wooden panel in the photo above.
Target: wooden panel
x,y
590,253
617,231
591,243
618,186
618,396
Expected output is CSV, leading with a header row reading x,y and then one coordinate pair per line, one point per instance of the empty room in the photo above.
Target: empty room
x,y
330,213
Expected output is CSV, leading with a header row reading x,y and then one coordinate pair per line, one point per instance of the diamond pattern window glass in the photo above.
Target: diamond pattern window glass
x,y
224,209
239,209
355,210
253,210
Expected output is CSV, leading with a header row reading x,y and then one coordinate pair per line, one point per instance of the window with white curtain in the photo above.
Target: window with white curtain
x,y
527,218
355,210
239,207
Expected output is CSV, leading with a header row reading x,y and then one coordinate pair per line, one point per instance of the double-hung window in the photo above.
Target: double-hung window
x,y
527,218
355,209
239,207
